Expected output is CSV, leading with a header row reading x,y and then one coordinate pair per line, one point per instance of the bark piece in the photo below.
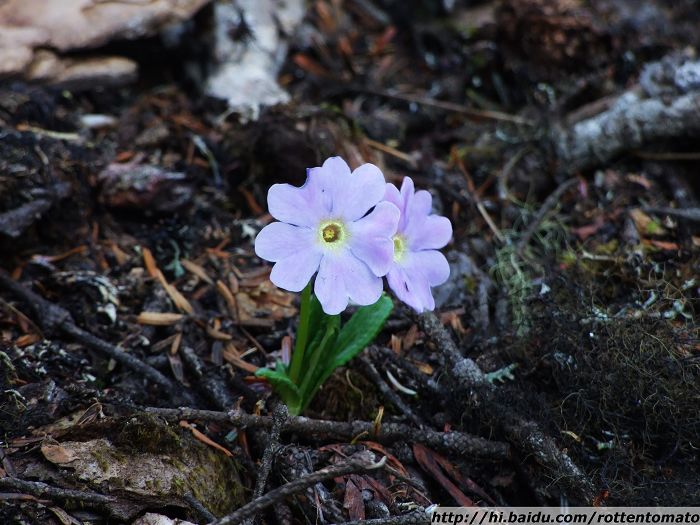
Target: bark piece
x,y
35,33
149,462
246,74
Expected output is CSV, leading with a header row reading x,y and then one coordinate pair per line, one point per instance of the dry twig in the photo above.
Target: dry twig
x,y
388,393
354,465
279,415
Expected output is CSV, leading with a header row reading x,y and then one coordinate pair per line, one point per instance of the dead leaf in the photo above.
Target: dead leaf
x,y
584,232
197,270
639,179
232,356
426,458
150,262
411,337
64,517
229,298
205,439
175,296
57,454
353,502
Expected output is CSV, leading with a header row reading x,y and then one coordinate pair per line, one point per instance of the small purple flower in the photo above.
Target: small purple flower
x,y
417,263
324,227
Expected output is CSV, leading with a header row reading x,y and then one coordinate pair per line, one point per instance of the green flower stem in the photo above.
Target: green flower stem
x,y
302,334
320,352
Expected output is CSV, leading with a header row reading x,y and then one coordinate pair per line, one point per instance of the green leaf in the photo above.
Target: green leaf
x,y
361,330
321,357
284,387
316,316
357,333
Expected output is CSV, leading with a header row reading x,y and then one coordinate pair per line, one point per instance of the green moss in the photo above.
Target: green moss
x,y
147,433
215,481
102,459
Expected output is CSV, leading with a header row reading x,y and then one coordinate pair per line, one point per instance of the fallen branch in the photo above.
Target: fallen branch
x,y
197,506
42,490
355,465
458,443
631,122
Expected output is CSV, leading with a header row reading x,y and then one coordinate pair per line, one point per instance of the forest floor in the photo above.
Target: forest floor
x,y
562,363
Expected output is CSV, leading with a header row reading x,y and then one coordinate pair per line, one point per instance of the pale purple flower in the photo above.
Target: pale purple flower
x,y
417,263
324,226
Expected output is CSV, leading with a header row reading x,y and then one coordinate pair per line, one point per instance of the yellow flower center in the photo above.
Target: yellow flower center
x,y
399,248
332,234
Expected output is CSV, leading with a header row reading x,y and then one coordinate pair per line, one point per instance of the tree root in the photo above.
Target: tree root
x,y
467,378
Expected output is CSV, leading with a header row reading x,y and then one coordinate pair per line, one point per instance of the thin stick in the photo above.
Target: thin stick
x,y
279,416
388,393
299,485
451,106
198,507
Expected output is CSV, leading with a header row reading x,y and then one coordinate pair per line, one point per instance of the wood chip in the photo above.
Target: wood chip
x,y
176,297
229,298
232,355
197,270
150,262
159,318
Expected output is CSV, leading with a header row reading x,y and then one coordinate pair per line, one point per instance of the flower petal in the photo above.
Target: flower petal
x,y
279,240
362,285
330,286
327,183
294,273
421,204
428,233
393,195
300,206
412,289
343,276
412,279
430,263
371,237
407,188
336,168
362,190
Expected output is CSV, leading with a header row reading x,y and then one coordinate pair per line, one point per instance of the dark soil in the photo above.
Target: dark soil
x,y
596,305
